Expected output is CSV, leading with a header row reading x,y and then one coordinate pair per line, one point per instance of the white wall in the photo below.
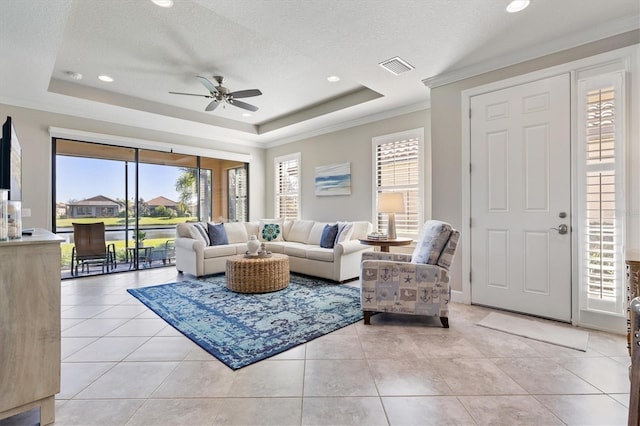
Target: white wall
x,y
352,145
32,128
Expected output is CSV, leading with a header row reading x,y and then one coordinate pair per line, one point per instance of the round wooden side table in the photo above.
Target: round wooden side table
x,y
385,244
257,274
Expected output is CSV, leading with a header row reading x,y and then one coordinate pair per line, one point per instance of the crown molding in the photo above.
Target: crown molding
x,y
352,123
134,119
613,28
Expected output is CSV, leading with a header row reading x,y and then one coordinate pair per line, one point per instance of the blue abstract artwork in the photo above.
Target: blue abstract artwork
x,y
334,179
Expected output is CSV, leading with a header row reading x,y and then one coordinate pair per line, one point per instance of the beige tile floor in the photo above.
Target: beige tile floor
x,y
121,364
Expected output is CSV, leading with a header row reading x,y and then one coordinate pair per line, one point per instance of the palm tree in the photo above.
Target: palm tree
x,y
186,185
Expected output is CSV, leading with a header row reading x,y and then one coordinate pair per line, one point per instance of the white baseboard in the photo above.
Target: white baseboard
x,y
456,296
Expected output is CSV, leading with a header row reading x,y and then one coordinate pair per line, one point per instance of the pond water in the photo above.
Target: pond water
x,y
67,234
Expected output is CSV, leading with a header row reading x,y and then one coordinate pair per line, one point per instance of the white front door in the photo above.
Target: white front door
x,y
520,191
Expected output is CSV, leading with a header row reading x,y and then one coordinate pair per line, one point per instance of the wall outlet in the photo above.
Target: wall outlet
x,y
26,212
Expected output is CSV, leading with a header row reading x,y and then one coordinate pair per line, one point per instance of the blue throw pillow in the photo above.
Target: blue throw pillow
x,y
217,234
328,236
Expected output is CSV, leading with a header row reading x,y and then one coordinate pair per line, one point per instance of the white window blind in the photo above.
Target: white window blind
x,y
287,193
600,124
397,168
237,208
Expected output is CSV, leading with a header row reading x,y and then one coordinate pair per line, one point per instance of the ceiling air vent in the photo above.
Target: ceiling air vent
x,y
396,65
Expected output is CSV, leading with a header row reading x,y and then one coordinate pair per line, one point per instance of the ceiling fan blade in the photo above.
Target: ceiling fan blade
x,y
243,105
209,85
213,105
190,94
246,93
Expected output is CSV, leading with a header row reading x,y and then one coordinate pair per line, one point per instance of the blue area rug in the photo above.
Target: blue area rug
x,y
240,329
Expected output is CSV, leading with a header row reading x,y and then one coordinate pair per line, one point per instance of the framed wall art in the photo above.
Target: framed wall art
x,y
334,179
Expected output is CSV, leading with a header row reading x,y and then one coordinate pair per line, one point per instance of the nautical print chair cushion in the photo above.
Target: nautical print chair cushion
x,y
433,237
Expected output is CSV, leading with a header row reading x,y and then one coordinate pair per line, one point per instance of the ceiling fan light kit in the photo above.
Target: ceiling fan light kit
x,y
222,95
74,75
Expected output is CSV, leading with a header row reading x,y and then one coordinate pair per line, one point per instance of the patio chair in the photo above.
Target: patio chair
x,y
416,284
166,252
90,248
170,251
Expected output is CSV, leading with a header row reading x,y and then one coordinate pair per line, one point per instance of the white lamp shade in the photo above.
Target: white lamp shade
x,y
391,202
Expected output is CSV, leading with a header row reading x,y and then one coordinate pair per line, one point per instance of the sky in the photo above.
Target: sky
x,y
81,178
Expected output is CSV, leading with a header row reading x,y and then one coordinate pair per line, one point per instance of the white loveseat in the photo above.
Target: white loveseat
x,y
300,240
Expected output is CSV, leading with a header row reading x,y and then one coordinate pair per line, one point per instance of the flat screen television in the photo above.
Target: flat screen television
x,y
11,161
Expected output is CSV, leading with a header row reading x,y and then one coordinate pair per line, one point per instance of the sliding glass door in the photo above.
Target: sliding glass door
x,y
140,195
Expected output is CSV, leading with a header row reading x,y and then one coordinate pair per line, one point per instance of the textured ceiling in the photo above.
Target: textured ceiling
x,y
285,48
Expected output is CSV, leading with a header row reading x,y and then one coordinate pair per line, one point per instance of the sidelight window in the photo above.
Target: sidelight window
x,y
601,151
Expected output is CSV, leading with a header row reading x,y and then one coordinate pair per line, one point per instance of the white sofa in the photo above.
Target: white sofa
x,y
300,240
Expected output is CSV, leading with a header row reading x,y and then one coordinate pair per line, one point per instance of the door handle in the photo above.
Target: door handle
x,y
562,229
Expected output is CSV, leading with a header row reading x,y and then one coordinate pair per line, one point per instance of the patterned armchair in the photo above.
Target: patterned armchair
x,y
416,284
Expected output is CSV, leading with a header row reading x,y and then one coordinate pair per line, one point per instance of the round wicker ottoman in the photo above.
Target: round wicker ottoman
x,y
257,275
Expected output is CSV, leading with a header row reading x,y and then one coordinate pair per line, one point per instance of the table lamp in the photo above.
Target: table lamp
x,y
391,203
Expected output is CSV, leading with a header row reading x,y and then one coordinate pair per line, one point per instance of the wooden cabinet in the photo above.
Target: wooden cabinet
x,y
30,325
633,271
632,259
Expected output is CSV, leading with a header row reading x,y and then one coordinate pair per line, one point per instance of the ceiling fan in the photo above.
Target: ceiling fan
x,y
221,94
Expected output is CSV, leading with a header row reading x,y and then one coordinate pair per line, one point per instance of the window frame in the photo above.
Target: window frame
x,y
589,81
379,224
297,157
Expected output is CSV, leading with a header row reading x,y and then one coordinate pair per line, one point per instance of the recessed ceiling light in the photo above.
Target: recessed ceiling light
x,y
517,5
163,3
74,75
105,78
246,114
333,79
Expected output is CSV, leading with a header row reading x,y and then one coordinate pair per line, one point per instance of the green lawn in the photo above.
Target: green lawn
x,y
120,249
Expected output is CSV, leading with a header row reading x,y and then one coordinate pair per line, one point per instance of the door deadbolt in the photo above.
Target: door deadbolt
x,y
562,229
